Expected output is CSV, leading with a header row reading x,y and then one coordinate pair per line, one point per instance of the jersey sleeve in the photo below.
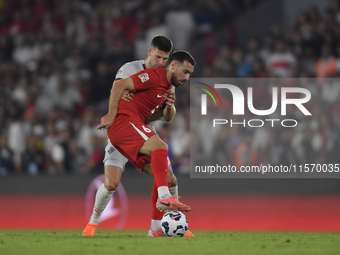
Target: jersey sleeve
x,y
145,79
122,73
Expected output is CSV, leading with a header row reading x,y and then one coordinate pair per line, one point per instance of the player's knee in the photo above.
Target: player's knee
x,y
111,186
160,145
163,145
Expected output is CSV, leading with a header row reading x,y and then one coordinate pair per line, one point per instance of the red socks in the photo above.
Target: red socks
x,y
159,166
155,213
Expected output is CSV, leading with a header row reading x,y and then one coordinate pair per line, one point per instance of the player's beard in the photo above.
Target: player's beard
x,y
175,81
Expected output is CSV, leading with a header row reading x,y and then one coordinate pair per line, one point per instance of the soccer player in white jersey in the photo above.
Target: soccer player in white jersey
x,y
114,161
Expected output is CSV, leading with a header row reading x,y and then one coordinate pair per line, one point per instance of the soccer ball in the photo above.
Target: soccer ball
x,y
174,224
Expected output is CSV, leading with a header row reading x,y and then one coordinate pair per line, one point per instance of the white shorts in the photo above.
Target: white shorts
x,y
114,158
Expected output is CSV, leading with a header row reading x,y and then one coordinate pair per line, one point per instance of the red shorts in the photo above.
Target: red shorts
x,y
127,134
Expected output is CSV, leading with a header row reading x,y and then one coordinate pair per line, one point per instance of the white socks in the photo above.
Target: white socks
x,y
155,225
163,192
174,190
103,197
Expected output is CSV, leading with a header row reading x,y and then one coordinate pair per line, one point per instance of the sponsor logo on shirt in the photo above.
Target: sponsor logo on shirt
x,y
165,94
143,77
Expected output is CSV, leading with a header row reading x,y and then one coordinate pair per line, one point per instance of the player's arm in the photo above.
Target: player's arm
x,y
127,94
123,73
116,94
170,110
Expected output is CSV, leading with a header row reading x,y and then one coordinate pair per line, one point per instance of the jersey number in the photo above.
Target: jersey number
x,y
147,130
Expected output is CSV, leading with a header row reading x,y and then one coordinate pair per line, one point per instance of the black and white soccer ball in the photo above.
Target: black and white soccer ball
x,y
174,224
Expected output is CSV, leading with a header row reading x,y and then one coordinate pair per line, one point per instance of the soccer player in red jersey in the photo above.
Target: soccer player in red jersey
x,y
114,161
126,120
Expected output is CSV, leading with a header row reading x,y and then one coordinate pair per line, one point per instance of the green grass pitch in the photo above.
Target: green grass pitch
x,y
13,242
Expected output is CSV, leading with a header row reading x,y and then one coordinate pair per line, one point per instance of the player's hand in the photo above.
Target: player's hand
x,y
127,95
170,100
106,121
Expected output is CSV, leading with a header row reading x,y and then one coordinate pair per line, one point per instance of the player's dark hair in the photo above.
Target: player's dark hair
x,y
162,43
181,56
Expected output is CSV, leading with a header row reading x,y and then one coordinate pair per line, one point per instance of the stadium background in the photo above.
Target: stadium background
x,y
57,63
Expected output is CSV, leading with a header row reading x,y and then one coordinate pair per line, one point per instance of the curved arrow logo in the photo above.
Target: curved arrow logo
x,y
209,93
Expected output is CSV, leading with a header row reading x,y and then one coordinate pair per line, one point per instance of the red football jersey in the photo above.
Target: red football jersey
x,y
152,89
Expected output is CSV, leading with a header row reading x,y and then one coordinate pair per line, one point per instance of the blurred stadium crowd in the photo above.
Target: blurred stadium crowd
x,y
58,60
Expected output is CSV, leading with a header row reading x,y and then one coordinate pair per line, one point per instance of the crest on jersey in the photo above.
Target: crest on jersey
x,y
120,71
143,77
